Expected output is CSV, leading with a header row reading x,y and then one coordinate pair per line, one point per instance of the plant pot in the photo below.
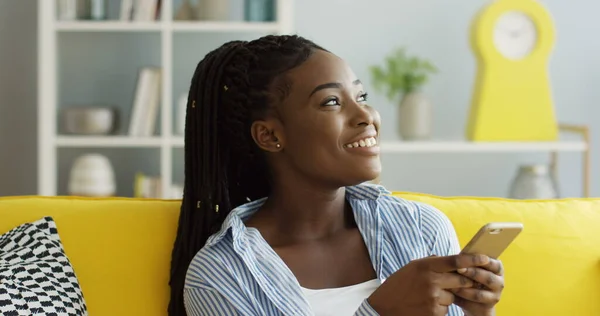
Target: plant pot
x,y
415,117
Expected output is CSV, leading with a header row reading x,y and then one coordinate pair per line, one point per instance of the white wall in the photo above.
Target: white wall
x,y
363,32
18,97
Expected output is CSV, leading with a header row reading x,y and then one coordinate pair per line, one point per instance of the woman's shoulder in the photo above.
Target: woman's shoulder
x,y
212,260
424,215
397,202
393,201
430,223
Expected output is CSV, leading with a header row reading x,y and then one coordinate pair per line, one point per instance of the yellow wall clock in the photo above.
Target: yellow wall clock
x,y
512,100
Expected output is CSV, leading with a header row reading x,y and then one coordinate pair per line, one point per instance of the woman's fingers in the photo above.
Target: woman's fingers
x,y
495,266
485,297
445,298
453,281
485,277
453,263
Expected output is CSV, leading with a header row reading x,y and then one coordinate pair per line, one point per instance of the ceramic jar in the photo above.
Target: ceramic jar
x,y
92,175
415,117
533,182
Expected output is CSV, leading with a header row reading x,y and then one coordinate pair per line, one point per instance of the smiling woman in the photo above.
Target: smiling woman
x,y
275,218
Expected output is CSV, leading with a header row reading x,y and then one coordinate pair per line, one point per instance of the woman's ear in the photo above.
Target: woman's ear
x,y
268,135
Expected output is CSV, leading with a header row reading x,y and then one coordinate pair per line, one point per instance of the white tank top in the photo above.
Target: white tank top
x,y
340,301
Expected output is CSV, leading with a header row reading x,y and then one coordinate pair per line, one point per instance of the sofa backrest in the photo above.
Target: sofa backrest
x,y
553,267
121,249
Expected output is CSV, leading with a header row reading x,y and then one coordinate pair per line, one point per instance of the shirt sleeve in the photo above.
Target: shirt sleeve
x,y
441,237
206,302
365,309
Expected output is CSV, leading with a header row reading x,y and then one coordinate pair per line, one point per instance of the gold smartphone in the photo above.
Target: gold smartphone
x,y
493,238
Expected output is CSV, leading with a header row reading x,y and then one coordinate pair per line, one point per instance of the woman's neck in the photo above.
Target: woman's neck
x,y
296,213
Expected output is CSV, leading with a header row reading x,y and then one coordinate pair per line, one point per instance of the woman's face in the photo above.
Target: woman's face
x,y
325,128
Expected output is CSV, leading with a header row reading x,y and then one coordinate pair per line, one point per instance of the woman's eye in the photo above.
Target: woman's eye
x,y
363,97
332,101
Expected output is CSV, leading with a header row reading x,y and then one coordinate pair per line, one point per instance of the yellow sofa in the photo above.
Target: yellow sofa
x,y
120,249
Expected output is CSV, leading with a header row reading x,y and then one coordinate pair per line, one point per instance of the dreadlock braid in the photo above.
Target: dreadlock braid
x,y
231,87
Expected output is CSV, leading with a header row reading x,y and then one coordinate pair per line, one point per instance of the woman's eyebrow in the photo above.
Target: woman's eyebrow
x,y
335,85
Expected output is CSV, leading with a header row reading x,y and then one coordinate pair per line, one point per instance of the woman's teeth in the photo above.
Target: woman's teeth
x,y
367,142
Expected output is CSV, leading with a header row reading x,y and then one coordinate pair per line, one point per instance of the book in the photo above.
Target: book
x,y
145,10
150,187
145,103
126,10
151,114
147,186
140,10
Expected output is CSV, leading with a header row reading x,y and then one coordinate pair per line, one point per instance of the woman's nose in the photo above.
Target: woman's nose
x,y
364,115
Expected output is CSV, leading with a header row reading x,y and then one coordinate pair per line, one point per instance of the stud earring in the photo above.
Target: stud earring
x,y
278,145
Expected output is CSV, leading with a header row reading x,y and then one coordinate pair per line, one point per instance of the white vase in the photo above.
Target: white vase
x,y
415,117
92,175
533,182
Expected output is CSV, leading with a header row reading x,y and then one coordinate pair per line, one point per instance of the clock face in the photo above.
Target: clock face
x,y
515,35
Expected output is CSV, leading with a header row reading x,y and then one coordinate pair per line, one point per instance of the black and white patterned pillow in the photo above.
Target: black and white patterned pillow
x,y
36,277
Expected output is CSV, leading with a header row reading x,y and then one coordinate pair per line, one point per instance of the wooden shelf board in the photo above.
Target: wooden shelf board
x,y
175,26
463,146
467,146
108,26
225,26
108,141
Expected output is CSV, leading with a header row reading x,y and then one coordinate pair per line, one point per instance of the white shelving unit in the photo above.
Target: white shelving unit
x,y
55,151
51,32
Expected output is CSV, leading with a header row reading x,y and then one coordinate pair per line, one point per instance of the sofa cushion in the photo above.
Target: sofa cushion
x,y
553,267
36,276
119,247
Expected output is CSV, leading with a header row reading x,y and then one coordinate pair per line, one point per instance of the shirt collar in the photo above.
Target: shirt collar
x,y
236,218
366,191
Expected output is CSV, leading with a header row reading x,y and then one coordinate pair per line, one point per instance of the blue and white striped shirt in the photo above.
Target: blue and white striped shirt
x,y
238,273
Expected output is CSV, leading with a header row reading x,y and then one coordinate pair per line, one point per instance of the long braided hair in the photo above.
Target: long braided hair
x,y
232,86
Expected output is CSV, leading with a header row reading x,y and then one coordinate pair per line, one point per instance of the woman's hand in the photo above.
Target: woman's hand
x,y
423,286
481,298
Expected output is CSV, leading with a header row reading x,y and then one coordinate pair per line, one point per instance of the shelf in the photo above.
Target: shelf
x,y
481,147
177,141
225,26
386,146
120,26
108,26
107,141
108,77
463,146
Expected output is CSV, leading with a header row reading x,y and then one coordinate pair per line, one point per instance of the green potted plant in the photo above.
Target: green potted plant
x,y
402,78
